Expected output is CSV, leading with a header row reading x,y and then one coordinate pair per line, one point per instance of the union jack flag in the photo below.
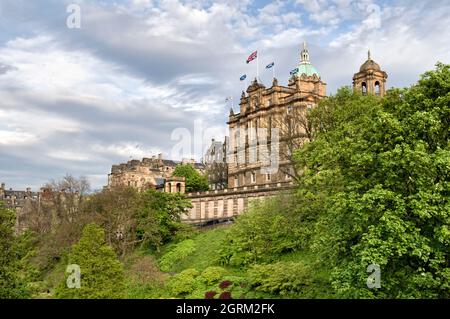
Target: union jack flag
x,y
252,57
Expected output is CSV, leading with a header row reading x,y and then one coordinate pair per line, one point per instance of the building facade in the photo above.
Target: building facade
x,y
154,172
268,120
215,160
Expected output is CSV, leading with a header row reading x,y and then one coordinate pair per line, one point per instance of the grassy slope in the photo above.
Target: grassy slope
x,y
208,243
145,280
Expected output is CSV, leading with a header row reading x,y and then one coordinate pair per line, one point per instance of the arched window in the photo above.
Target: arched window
x,y
253,176
364,88
178,188
170,188
377,88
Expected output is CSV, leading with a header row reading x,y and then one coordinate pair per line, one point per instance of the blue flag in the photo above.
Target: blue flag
x,y
294,71
242,78
268,66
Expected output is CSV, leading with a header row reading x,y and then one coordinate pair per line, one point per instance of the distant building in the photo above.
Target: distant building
x,y
19,200
154,172
215,164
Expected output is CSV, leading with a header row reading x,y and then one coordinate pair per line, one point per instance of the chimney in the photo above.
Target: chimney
x,y
28,189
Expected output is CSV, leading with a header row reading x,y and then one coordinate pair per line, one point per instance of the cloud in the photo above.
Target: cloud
x,y
79,100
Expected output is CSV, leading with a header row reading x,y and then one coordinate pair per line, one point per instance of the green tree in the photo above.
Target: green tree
x,y
160,217
12,285
375,189
102,274
262,234
131,218
195,182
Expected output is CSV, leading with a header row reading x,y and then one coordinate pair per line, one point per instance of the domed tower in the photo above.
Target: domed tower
x,y
306,79
370,79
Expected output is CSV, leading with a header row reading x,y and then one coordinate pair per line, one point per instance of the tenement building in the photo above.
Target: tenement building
x,y
20,201
154,172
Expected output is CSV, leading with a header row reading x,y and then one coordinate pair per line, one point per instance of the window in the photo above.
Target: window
x,y
268,177
364,88
289,110
236,181
377,88
253,176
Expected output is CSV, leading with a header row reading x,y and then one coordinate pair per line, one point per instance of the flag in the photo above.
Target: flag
x,y
242,78
268,66
294,71
252,57
229,98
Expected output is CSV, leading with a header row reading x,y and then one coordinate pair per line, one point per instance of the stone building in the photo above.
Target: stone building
x,y
269,118
370,79
21,201
154,172
263,109
216,164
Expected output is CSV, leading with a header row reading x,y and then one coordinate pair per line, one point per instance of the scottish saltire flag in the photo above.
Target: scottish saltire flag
x,y
242,78
268,66
252,56
294,71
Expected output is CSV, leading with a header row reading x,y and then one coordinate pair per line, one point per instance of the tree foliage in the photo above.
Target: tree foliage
x,y
262,234
376,189
102,273
12,284
195,182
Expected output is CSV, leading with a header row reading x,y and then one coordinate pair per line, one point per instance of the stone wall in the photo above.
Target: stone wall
x,y
224,204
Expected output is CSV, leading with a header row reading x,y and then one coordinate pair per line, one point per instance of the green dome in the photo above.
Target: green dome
x,y
307,69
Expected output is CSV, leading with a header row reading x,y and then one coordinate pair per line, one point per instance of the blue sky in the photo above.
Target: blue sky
x,y
79,100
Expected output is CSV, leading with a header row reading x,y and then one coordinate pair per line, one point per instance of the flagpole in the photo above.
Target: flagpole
x,y
257,65
273,71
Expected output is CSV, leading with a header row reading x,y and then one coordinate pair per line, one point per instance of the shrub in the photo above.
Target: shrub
x,y
285,279
213,275
183,283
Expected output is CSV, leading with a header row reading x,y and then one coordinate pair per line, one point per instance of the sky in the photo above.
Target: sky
x,y
134,77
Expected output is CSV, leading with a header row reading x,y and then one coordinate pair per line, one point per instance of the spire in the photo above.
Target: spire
x,y
304,56
368,55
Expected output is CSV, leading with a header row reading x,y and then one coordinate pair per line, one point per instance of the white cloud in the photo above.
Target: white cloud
x,y
80,100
